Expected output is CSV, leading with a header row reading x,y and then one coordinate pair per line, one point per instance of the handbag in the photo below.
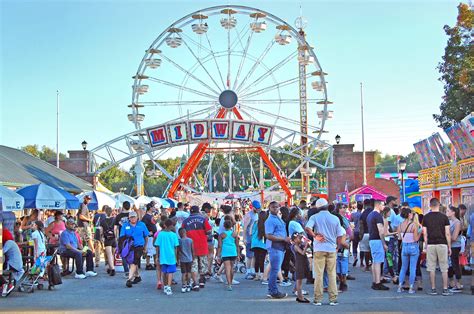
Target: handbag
x,y
54,275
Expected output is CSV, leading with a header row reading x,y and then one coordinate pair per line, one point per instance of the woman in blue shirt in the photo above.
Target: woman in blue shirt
x,y
258,245
227,251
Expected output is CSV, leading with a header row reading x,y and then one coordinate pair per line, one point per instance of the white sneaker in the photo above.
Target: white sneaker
x,y
235,282
168,290
285,284
80,276
219,278
91,273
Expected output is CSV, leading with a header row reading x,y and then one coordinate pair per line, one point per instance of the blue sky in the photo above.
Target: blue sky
x,y
90,49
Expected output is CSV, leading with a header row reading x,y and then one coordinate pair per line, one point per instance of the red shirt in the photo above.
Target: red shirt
x,y
7,235
197,228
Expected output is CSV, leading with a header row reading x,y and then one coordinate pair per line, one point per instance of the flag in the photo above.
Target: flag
x,y
215,180
223,181
346,189
233,180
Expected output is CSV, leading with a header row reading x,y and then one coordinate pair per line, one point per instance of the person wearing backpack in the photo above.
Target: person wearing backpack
x,y
137,232
98,239
110,242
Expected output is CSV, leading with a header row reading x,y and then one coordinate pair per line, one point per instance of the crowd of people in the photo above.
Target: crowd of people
x,y
277,244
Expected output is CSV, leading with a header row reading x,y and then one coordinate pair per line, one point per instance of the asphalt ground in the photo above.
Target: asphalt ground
x,y
105,294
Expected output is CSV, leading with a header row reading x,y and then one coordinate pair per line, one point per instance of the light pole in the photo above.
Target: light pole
x,y
57,129
402,164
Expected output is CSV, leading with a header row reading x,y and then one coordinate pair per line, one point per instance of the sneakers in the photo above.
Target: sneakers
x,y
183,289
128,284
136,280
400,289
433,292
235,282
250,276
229,288
446,292
91,273
317,303
188,288
278,295
195,288
333,303
411,290
285,283
80,276
380,286
167,290
112,272
8,288
126,275
455,290
219,278
264,282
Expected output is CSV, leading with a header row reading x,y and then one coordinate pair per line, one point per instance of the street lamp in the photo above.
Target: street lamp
x,y
84,145
338,139
402,165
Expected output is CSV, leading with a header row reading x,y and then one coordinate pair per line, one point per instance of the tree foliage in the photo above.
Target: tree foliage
x,y
457,70
45,153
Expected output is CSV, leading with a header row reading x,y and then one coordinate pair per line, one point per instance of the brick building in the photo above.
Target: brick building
x,y
348,168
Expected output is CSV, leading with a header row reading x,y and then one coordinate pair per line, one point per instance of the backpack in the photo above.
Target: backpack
x,y
54,275
126,250
109,229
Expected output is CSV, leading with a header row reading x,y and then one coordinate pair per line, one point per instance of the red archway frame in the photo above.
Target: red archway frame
x,y
200,150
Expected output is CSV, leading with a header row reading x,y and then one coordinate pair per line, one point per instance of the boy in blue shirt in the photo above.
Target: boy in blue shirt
x,y
167,243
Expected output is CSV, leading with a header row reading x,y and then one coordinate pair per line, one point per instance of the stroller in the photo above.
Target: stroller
x,y
40,272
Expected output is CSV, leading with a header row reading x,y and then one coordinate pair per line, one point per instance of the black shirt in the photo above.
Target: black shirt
x,y
373,219
363,219
148,221
121,219
435,223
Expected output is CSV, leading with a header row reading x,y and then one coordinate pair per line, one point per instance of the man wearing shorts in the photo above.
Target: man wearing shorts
x,y
437,237
378,247
197,229
364,230
249,219
139,233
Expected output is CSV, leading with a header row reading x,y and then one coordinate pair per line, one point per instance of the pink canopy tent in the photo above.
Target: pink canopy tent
x,y
367,189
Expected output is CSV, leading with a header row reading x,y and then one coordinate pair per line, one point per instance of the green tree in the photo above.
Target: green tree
x,y
457,70
45,153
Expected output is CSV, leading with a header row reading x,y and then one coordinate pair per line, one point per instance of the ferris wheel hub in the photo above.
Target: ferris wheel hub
x,y
228,99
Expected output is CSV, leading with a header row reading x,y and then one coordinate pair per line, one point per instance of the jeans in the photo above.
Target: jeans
x,y
410,254
276,258
342,266
79,259
355,244
325,261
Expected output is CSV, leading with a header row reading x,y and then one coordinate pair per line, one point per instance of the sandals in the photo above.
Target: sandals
x,y
302,301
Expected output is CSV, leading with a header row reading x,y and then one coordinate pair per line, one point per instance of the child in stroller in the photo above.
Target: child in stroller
x,y
38,274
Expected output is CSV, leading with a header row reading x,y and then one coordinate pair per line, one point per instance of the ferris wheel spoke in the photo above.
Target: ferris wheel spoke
x,y
201,64
198,45
281,101
270,72
271,87
256,64
238,37
242,60
191,90
215,61
189,74
175,103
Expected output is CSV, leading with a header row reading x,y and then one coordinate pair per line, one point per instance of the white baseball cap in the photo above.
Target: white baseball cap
x,y
321,203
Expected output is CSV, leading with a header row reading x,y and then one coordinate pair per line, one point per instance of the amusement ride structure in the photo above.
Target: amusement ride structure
x,y
227,79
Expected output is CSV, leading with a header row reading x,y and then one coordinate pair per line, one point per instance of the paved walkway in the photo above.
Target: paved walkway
x,y
109,294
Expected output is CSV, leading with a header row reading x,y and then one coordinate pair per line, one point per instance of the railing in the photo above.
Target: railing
x,y
447,175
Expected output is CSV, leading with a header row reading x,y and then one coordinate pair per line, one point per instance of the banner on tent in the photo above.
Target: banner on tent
x,y
182,132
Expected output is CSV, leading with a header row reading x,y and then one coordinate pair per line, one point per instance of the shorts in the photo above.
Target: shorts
x,y
248,250
229,258
364,243
437,254
168,269
377,251
186,267
200,265
150,248
110,242
85,233
342,265
137,254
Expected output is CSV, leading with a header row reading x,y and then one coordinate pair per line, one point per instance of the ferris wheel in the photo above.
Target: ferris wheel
x,y
233,62
231,56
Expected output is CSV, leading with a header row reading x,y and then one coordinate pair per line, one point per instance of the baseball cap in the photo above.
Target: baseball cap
x,y
256,204
321,203
194,209
390,199
71,221
132,214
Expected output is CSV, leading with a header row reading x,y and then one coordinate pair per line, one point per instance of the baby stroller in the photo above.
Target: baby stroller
x,y
41,271
239,265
